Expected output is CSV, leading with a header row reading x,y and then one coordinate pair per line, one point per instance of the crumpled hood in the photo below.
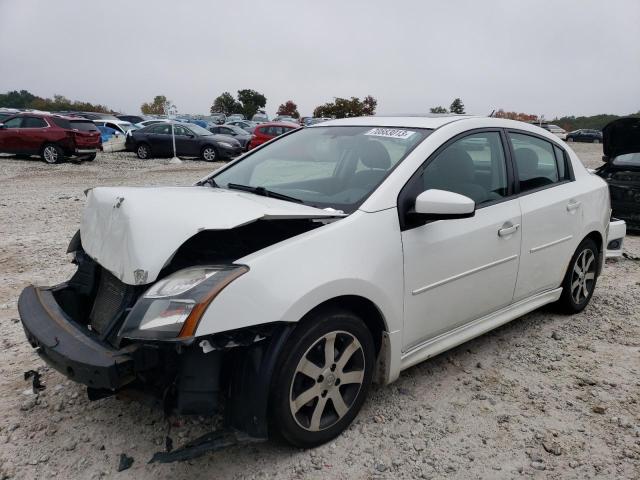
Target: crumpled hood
x,y
134,231
620,137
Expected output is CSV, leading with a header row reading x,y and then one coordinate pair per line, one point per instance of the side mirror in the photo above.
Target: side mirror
x,y
436,204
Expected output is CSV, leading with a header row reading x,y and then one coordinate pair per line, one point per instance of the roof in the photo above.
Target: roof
x,y
415,121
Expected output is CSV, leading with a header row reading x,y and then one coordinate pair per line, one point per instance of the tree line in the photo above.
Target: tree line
x,y
248,102
26,99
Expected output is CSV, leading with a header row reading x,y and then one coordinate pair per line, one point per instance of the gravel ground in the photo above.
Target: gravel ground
x,y
546,396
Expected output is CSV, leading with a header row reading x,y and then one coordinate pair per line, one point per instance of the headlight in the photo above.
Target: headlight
x,y
225,144
173,306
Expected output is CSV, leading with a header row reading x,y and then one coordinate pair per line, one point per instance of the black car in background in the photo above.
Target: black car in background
x,y
238,133
585,135
133,118
191,141
621,146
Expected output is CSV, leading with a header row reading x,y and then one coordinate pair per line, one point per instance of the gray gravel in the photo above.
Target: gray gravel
x,y
547,396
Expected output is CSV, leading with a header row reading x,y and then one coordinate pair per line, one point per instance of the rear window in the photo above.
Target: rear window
x,y
62,123
83,125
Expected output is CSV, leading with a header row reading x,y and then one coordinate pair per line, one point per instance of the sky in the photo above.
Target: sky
x,y
543,57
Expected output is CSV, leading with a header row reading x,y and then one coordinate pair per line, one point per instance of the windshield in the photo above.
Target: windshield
x,y
198,130
237,130
126,126
336,167
627,160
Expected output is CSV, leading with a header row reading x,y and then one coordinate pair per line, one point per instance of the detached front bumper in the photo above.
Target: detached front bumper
x,y
68,348
615,237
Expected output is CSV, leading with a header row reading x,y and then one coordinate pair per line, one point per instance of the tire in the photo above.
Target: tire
x,y
91,157
143,151
596,140
52,153
581,277
570,139
325,380
209,154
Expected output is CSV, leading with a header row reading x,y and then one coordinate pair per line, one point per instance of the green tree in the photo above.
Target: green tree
x,y
250,102
457,106
226,104
17,99
343,107
159,106
288,108
25,99
438,109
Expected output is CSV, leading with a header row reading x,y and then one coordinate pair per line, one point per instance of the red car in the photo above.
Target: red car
x,y
53,137
266,131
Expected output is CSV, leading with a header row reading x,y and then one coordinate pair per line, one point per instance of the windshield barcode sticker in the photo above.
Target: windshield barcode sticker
x,y
390,133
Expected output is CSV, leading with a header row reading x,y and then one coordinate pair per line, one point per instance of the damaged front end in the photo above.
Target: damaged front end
x,y
133,340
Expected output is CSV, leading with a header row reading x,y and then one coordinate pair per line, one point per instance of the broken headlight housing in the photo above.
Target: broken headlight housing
x,y
173,306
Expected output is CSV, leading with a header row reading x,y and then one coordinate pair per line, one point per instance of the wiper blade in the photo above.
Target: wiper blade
x,y
264,192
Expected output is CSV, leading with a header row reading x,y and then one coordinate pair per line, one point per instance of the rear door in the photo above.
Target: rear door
x,y
551,204
186,142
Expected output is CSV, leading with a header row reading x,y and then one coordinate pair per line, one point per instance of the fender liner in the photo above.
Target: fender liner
x,y
250,384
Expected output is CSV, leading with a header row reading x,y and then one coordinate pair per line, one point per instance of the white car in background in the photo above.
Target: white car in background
x,y
286,282
120,126
559,132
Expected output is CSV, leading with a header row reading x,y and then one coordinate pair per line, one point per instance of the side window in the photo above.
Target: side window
x,y
34,122
180,130
13,123
473,166
535,162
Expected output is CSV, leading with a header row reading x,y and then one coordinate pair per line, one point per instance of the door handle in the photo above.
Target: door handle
x,y
572,205
506,231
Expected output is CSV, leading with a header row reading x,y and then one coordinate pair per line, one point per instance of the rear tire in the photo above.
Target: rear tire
x,y
333,381
581,277
570,139
91,157
52,153
143,151
595,140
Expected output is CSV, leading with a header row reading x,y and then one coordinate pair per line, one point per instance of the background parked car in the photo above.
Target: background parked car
x,y
260,117
133,118
246,125
238,133
94,115
584,135
52,137
235,116
286,118
266,131
117,125
559,132
621,147
191,141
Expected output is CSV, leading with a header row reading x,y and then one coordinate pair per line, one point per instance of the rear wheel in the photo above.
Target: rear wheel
x,y
91,157
596,140
143,151
323,378
580,280
570,139
52,153
209,154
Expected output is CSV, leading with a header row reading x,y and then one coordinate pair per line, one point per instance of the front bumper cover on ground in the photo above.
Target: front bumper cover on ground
x,y
68,348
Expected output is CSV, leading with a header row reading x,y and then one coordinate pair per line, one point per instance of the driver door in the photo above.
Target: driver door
x,y
459,270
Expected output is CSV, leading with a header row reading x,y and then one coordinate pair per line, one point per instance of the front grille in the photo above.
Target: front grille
x,y
112,298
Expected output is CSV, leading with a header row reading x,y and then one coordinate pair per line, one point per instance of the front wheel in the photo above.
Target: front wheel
x,y
143,151
323,378
209,154
580,280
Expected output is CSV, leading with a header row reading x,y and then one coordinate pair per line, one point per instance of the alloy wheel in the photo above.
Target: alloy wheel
x,y
209,154
50,154
143,152
326,381
583,276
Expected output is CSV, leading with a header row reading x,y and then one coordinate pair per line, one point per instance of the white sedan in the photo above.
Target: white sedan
x,y
286,282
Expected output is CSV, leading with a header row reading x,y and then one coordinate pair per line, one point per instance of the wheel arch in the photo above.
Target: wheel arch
x,y
596,236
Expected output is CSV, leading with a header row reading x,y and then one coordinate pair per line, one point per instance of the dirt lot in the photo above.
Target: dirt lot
x,y
547,396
